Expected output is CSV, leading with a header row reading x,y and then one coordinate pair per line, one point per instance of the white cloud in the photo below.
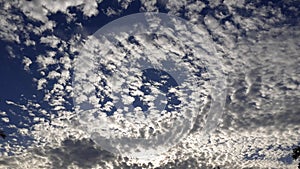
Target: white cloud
x,y
39,10
50,40
27,62
111,12
5,119
53,75
90,8
10,23
260,112
41,83
45,60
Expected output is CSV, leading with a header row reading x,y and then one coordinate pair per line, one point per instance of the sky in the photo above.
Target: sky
x,y
231,70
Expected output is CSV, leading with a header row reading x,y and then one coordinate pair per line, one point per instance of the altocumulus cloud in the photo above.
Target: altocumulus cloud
x,y
256,42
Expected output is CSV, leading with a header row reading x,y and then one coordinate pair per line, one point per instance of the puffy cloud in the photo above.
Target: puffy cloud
x,y
258,51
39,10
27,62
50,40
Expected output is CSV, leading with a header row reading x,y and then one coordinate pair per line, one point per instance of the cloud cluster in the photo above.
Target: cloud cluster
x,y
256,42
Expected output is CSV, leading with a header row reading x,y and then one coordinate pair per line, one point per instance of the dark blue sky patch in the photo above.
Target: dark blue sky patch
x,y
255,156
151,76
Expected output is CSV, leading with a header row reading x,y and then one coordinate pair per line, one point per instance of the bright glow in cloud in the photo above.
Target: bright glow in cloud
x,y
259,52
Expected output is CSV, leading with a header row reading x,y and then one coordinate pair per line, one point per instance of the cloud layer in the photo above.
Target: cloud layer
x,y
256,42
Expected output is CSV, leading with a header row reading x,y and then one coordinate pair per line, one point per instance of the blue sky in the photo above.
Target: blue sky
x,y
255,42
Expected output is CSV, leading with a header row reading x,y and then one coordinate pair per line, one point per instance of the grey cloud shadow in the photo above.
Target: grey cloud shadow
x,y
82,153
248,109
